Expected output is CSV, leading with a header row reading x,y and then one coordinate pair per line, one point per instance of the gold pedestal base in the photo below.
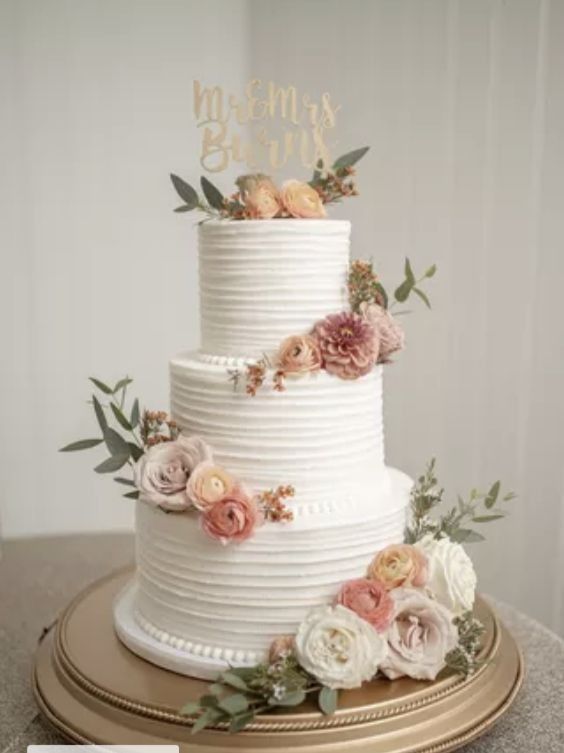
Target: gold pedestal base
x,y
94,690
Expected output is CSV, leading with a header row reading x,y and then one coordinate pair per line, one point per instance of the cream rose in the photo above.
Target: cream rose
x,y
299,354
452,578
208,484
260,196
420,636
162,472
339,648
399,565
301,200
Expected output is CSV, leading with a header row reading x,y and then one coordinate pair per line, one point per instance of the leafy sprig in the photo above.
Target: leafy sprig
x,y
464,658
126,431
480,507
241,693
364,286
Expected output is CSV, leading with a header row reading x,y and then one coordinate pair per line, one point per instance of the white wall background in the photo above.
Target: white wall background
x,y
463,103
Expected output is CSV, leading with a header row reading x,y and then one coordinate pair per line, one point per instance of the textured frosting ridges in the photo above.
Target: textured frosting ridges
x,y
323,435
261,281
230,602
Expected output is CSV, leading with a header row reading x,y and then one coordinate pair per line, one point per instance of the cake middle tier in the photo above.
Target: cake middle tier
x,y
323,435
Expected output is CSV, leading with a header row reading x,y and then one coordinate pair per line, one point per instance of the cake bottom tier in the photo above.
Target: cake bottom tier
x,y
196,606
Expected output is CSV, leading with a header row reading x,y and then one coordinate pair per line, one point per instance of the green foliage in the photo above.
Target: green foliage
x,y
426,496
213,195
350,159
464,658
188,195
122,443
411,283
264,687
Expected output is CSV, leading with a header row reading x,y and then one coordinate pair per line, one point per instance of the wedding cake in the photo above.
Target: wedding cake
x,y
197,606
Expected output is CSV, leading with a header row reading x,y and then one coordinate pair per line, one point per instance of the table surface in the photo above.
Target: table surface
x,y
39,576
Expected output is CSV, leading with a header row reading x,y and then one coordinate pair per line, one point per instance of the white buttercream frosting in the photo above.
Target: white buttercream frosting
x,y
263,280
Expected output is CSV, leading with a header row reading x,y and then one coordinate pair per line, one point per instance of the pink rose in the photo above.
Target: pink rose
x,y
370,600
233,518
348,344
301,200
207,485
399,565
421,635
389,333
299,354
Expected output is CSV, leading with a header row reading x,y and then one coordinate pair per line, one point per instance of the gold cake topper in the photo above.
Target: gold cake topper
x,y
267,126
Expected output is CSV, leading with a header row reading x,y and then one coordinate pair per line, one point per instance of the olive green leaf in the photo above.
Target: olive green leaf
x,y
213,195
115,443
120,418
100,415
111,464
327,700
350,159
101,386
134,418
186,193
234,704
83,444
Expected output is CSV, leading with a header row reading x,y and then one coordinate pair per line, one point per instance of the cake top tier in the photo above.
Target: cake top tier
x,y
263,280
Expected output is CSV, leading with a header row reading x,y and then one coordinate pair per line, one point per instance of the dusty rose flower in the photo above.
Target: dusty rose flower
x,y
419,638
299,354
389,333
280,648
301,200
399,565
260,196
348,344
370,600
232,518
207,485
162,472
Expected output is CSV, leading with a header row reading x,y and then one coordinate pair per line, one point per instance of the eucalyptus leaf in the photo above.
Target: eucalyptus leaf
x,y
121,384
189,709
112,464
101,386
124,481
208,717
380,288
135,451
115,443
208,701
317,172
134,418
82,444
132,495
402,292
233,680
185,191
466,535
234,704
409,272
100,415
120,418
240,721
350,159
213,195
423,297
185,208
294,698
487,518
431,271
492,495
327,700
216,689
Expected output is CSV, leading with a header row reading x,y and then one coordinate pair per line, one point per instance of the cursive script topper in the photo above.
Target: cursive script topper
x,y
268,126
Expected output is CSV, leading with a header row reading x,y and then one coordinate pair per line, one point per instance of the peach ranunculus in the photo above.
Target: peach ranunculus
x,y
280,648
299,354
232,518
370,600
301,200
260,196
389,333
207,485
399,565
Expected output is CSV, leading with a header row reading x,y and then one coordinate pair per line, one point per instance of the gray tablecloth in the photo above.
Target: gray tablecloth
x,y
39,576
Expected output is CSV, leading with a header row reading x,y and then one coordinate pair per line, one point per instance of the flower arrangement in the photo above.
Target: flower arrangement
x,y
347,344
176,473
258,198
409,616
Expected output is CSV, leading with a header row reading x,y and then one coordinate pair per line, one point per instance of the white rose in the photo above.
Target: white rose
x,y
339,648
420,636
452,578
162,472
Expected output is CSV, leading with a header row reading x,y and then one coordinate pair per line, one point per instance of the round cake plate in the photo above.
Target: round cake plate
x,y
94,690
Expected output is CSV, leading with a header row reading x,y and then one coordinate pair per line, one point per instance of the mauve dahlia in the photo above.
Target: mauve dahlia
x,y
348,344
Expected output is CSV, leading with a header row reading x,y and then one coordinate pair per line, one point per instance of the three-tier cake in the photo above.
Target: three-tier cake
x,y
196,606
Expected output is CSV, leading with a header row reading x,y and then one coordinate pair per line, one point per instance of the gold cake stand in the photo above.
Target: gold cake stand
x,y
94,690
